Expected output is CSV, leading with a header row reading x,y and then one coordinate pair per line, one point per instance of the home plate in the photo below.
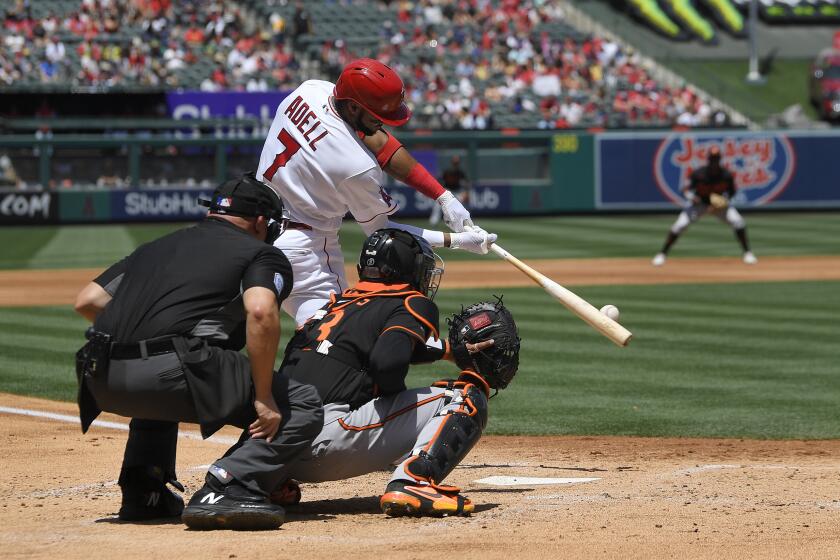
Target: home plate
x,y
528,481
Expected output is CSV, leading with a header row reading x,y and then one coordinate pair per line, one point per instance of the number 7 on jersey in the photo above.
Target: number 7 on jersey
x,y
290,148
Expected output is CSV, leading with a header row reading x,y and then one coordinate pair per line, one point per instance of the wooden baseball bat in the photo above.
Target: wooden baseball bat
x,y
572,301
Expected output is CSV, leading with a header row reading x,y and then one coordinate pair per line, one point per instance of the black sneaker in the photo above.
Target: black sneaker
x,y
145,494
223,503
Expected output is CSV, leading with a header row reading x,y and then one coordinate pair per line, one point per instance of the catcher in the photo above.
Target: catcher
x,y
710,190
356,352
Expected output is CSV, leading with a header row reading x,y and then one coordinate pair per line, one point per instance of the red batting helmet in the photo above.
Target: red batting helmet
x,y
375,87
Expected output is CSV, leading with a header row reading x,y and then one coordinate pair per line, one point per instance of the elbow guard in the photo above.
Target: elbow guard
x,y
384,155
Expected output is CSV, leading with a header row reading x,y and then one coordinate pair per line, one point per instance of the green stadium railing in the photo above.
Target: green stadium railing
x,y
532,145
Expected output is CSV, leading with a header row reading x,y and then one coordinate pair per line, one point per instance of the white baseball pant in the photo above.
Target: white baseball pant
x,y
697,210
317,267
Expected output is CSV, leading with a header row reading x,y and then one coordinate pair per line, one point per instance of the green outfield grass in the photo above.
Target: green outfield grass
x,y
527,238
735,360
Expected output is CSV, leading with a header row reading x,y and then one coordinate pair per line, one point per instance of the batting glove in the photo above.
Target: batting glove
x,y
454,214
475,241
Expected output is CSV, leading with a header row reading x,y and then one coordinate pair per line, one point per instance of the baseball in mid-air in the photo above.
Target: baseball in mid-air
x,y
611,311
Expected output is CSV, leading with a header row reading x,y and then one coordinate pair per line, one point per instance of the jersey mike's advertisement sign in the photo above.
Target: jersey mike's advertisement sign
x,y
762,166
649,170
163,205
27,208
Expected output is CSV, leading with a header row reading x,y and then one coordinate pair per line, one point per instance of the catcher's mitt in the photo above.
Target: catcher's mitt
x,y
718,201
483,321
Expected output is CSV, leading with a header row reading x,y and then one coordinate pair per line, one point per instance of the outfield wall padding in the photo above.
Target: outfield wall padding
x,y
587,173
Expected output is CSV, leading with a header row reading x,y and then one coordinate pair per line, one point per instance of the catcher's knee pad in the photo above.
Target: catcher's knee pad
x,y
460,431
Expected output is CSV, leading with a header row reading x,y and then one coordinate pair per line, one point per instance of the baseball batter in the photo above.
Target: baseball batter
x,y
326,155
710,190
356,352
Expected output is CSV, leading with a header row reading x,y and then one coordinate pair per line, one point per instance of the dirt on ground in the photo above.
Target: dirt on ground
x,y
652,498
60,286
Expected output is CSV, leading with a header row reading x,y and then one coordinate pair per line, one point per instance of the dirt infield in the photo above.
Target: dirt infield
x,y
60,286
654,498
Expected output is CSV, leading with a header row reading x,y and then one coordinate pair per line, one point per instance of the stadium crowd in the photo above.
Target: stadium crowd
x,y
470,64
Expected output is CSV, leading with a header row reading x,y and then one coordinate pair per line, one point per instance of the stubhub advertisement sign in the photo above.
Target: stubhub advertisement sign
x,y
154,206
181,205
483,201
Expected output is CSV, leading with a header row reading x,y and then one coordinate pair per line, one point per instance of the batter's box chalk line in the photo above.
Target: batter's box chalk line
x,y
106,424
530,481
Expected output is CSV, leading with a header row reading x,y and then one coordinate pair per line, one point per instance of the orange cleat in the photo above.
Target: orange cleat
x,y
402,497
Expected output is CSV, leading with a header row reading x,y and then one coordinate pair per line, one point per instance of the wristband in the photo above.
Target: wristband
x,y
384,155
422,181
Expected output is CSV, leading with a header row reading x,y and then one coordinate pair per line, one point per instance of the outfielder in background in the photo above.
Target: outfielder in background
x,y
326,155
455,181
710,190
356,352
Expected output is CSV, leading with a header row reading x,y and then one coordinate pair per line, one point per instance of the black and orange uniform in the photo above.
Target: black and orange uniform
x,y
356,352
705,181
360,345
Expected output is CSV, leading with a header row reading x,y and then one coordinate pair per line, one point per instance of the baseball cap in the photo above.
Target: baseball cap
x,y
246,196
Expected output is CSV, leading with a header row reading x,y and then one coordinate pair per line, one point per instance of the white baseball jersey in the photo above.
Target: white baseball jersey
x,y
318,165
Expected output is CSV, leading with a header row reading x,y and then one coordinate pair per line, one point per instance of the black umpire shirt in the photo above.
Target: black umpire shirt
x,y
191,282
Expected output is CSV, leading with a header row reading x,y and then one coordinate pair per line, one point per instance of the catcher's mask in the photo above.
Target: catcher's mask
x,y
483,321
395,256
248,197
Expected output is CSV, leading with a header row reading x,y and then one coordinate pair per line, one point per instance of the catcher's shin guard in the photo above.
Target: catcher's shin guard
x,y
457,434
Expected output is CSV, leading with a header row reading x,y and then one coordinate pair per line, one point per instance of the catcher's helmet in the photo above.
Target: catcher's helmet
x,y
396,256
377,88
483,321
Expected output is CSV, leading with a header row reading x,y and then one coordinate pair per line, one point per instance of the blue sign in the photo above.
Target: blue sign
x,y
649,171
483,201
762,165
239,104
158,206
